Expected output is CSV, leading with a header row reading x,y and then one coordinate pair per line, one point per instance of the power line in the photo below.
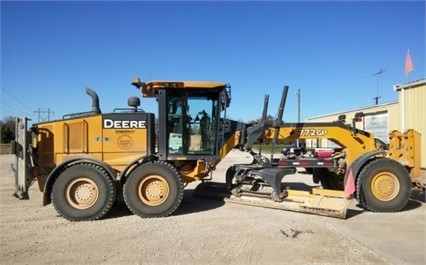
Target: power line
x,y
43,115
17,100
11,107
14,109
11,112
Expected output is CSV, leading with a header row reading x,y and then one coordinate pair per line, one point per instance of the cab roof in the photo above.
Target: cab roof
x,y
150,88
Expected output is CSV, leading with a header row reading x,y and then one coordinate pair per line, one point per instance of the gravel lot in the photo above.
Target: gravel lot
x,y
207,232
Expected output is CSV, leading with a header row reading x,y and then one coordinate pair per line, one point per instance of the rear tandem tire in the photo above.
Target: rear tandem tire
x,y
384,185
83,192
154,189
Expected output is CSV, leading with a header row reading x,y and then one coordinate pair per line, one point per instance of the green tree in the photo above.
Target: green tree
x,y
7,128
259,120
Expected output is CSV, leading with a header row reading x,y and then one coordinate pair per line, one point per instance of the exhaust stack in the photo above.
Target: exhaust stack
x,y
95,100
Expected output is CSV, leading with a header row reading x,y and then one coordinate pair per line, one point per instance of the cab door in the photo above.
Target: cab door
x,y
190,128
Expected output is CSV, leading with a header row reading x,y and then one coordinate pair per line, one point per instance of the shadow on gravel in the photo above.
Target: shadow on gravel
x,y
191,204
411,205
119,209
188,205
418,198
299,186
350,213
418,195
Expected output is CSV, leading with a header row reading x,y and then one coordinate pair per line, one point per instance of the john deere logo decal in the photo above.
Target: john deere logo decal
x,y
125,142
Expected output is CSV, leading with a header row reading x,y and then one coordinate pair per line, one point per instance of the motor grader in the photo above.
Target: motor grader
x,y
85,161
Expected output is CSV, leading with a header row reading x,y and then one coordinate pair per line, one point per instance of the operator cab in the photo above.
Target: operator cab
x,y
192,122
189,117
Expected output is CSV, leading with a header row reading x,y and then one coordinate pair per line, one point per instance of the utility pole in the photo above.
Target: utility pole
x,y
298,110
298,105
43,115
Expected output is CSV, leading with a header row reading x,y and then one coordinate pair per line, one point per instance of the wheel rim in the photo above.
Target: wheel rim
x,y
385,186
82,193
153,190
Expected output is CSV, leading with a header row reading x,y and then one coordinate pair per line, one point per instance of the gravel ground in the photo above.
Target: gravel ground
x,y
199,232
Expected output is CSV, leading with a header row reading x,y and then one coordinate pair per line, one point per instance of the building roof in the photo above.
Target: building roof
x,y
355,109
415,83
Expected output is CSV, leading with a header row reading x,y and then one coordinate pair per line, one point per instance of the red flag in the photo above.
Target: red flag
x,y
350,185
408,64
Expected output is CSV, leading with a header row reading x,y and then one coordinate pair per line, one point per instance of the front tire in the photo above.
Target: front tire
x,y
83,192
154,189
384,185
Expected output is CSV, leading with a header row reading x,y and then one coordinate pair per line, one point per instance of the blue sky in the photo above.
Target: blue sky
x,y
50,51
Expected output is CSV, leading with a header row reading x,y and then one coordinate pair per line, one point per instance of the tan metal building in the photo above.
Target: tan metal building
x,y
409,112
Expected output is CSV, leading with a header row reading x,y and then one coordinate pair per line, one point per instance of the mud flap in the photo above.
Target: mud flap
x,y
317,201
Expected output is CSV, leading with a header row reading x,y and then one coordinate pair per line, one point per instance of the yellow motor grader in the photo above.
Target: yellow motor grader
x,y
85,161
